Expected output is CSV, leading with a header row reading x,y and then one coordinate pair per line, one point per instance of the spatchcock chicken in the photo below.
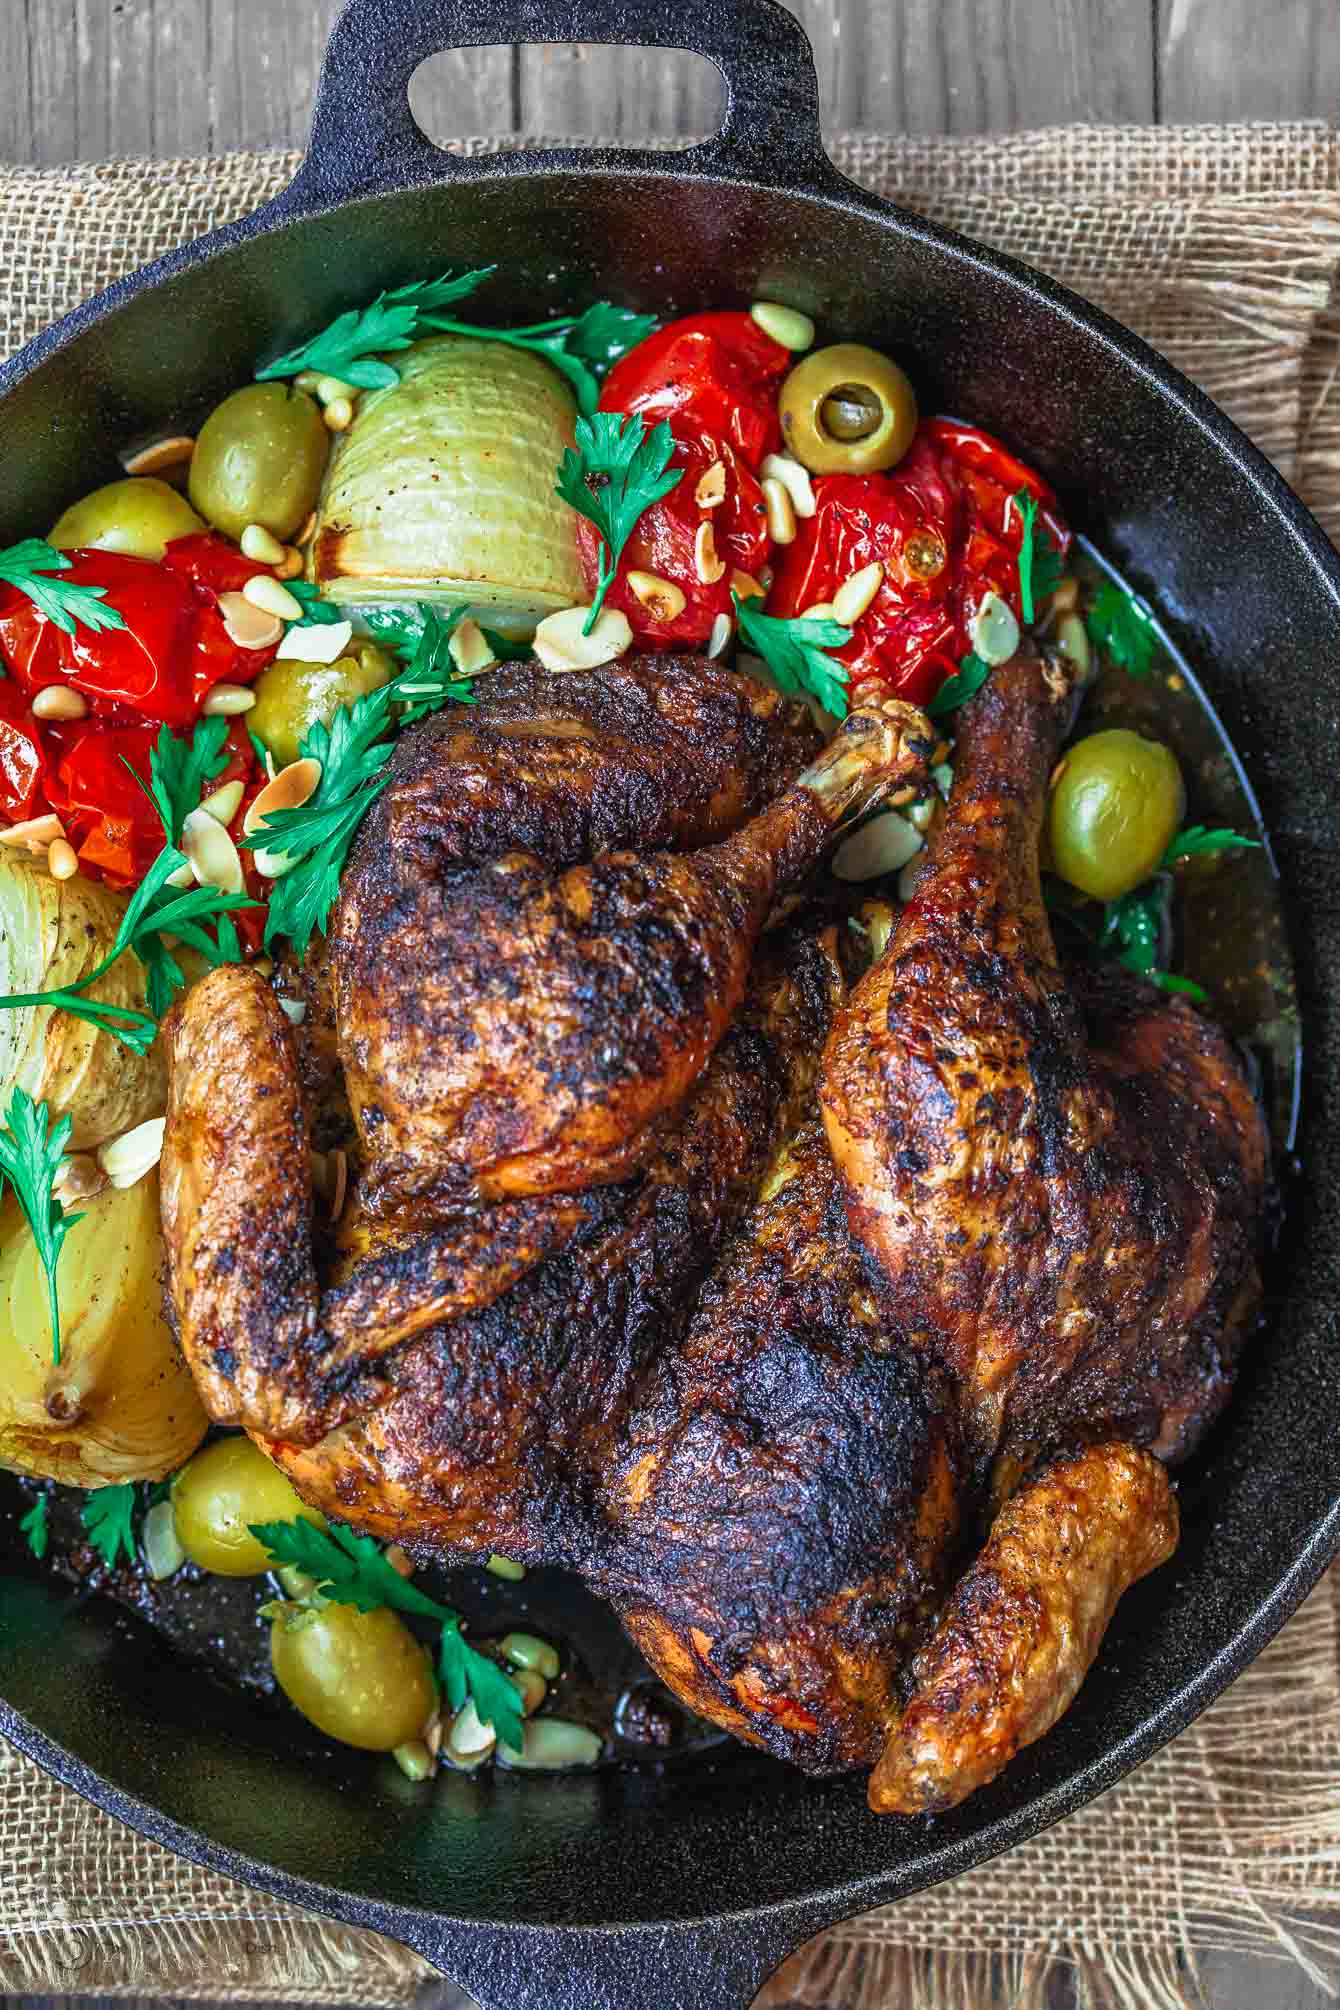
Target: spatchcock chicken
x,y
838,1324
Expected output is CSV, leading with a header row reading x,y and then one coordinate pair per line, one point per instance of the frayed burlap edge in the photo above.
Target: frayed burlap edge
x,y
1221,246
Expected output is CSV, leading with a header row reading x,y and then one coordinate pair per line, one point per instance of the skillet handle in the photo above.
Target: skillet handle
x,y
366,141
706,1966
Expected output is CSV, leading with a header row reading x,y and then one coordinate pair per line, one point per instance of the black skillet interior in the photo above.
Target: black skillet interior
x,y
598,1890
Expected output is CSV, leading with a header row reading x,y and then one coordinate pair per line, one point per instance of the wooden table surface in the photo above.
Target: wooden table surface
x,y
90,78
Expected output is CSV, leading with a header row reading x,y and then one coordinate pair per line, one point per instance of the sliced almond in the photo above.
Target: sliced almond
x,y
993,630
468,649
128,1158
294,1010
718,642
662,599
59,701
819,610
883,845
161,457
711,488
225,802
316,642
212,855
78,1177
249,626
289,790
794,478
34,833
855,594
706,563
561,645
745,587
228,701
781,511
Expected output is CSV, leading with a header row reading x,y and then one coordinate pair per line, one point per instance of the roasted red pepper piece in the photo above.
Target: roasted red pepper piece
x,y
943,527
173,649
23,760
714,374
664,540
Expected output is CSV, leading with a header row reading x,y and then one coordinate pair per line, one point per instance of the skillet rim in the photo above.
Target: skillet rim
x,y
1189,407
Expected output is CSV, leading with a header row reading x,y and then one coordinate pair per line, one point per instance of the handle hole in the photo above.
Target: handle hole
x,y
580,91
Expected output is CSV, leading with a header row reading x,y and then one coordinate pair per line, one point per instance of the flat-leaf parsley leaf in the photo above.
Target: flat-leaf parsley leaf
x,y
350,1569
31,1150
34,1526
1122,626
615,472
350,347
27,565
1039,560
108,1516
1198,842
795,652
972,673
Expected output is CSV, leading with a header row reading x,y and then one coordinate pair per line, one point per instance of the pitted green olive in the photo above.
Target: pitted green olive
x,y
220,1494
293,697
847,410
259,458
1117,802
360,1677
139,515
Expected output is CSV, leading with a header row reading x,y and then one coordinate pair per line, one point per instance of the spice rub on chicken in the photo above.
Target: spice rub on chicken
x,y
674,1259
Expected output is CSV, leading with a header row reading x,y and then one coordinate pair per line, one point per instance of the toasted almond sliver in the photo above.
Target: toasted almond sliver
x,y
718,642
34,833
711,488
663,600
708,565
249,626
316,642
225,802
160,456
468,649
561,645
128,1158
745,587
288,790
294,1010
78,1177
214,858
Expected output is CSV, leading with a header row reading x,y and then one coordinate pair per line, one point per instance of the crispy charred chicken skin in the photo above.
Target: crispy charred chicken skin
x,y
673,1262
554,1018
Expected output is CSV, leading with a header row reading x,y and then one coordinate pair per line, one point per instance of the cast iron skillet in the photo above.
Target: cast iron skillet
x,y
685,1889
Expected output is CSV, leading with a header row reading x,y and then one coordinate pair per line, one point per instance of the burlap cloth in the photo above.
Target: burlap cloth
x,y
1221,246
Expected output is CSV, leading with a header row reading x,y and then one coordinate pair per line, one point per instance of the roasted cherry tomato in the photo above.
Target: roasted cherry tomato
x,y
172,650
664,546
714,374
942,526
110,820
23,759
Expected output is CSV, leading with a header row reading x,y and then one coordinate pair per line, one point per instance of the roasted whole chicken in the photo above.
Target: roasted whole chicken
x,y
838,1324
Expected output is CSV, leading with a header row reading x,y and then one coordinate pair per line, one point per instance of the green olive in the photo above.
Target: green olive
x,y
292,697
259,458
219,1494
139,515
360,1677
847,411
1118,800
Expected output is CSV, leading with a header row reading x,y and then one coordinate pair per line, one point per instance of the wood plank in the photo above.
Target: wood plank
x,y
923,66
1235,59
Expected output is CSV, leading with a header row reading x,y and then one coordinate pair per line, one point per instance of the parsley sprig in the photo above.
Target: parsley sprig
x,y
1196,841
354,753
199,916
31,1150
351,1570
108,1516
28,566
580,346
794,651
967,681
316,612
35,1526
1039,560
615,472
350,347
1122,626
